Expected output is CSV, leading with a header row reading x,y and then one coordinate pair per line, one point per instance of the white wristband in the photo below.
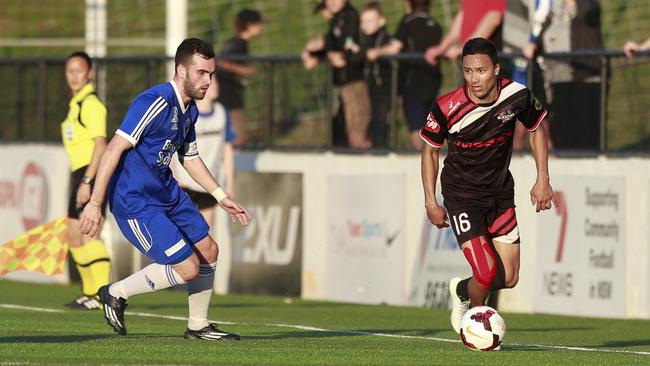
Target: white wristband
x,y
219,194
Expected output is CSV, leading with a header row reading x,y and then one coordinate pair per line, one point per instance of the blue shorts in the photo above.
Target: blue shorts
x,y
167,236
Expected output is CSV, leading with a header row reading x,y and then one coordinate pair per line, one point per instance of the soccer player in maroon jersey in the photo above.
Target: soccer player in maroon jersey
x,y
478,122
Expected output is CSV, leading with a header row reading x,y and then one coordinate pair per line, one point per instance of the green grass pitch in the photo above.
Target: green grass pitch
x,y
36,330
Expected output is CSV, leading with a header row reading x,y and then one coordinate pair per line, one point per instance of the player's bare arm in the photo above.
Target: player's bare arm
x,y
201,175
541,195
91,217
430,165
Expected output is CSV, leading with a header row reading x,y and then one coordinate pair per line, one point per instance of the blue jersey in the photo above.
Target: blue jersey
x,y
158,125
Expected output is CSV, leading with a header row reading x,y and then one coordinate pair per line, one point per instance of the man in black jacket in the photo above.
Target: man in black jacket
x,y
348,70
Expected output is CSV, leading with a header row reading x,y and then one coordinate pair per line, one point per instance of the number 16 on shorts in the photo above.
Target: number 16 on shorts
x,y
461,223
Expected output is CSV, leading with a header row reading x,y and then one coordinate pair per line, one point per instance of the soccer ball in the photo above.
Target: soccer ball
x,y
482,328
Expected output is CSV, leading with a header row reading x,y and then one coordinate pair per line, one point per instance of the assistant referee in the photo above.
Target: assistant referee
x,y
84,137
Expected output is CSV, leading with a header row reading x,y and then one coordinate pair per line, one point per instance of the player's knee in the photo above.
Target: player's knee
x,y
74,234
211,253
485,277
483,262
189,271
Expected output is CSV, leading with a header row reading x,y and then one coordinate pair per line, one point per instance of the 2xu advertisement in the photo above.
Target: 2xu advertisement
x,y
267,254
581,249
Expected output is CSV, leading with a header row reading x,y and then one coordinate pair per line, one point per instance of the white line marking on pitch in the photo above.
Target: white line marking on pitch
x,y
315,329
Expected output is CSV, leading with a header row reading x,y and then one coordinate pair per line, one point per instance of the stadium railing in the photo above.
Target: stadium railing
x,y
288,107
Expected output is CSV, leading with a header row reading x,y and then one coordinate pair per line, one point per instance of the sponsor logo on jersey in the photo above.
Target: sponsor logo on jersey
x,y
174,126
432,124
505,115
69,132
453,107
165,154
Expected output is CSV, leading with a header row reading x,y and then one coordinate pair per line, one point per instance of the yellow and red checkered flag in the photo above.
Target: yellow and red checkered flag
x,y
42,249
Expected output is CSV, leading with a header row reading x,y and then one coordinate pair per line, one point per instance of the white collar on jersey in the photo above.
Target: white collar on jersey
x,y
178,96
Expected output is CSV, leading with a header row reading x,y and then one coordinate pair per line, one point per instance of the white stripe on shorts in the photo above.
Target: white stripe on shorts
x,y
133,223
175,248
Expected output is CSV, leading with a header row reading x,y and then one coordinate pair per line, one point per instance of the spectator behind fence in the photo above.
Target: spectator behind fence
x,y
377,73
476,18
523,24
214,137
419,82
312,55
233,74
631,47
348,70
575,84
84,137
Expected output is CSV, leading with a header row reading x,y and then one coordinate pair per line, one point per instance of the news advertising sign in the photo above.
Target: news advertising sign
x,y
267,254
581,249
437,260
365,241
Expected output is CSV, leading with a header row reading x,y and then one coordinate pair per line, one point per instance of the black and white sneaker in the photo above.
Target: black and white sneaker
x,y
113,310
211,333
77,303
84,302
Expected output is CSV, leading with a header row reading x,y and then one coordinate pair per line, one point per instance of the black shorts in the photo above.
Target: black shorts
x,y
494,218
75,182
201,199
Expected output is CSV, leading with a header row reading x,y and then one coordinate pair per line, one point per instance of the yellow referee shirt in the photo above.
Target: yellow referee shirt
x,y
80,127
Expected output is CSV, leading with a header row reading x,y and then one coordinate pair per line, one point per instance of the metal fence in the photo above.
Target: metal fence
x,y
287,106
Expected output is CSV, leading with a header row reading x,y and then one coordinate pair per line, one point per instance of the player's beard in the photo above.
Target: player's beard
x,y
192,91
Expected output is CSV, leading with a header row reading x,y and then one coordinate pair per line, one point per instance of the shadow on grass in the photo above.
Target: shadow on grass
x,y
521,347
565,329
630,343
347,333
244,305
53,338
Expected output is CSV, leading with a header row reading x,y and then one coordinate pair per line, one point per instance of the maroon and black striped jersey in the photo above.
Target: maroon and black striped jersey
x,y
479,138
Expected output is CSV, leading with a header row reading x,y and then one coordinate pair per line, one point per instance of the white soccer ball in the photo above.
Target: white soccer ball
x,y
482,328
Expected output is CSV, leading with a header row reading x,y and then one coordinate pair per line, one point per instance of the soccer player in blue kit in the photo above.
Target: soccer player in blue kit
x,y
152,211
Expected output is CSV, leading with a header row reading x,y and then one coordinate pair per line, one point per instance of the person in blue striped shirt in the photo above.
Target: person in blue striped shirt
x,y
150,208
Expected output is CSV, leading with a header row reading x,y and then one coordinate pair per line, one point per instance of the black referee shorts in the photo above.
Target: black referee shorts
x,y
75,182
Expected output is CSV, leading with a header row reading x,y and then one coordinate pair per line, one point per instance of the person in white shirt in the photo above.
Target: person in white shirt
x,y
214,137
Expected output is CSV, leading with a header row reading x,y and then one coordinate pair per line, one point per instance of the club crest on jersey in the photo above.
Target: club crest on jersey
x,y
505,115
174,126
432,124
536,102
188,123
